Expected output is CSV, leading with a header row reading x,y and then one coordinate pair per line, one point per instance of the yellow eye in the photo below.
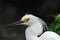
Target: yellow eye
x,y
25,19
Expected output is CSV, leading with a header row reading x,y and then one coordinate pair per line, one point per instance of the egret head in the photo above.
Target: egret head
x,y
28,19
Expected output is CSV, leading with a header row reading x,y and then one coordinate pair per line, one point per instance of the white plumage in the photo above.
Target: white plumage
x,y
35,28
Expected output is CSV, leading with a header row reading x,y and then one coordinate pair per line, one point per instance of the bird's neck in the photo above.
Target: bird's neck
x,y
33,31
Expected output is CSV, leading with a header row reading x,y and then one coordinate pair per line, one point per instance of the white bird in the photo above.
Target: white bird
x,y
35,28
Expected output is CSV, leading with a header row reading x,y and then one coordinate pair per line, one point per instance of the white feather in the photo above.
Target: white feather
x,y
35,27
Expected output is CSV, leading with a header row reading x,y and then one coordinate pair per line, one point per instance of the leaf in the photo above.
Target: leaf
x,y
57,26
57,18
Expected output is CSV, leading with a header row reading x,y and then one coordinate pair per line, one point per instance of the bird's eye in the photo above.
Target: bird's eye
x,y
25,19
28,19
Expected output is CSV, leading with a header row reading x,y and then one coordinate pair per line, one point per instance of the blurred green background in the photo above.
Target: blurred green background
x,y
55,26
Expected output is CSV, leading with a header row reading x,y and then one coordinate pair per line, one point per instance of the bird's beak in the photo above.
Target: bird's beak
x,y
20,22
16,23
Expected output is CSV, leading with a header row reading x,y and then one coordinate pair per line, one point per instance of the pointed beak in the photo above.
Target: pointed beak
x,y
16,23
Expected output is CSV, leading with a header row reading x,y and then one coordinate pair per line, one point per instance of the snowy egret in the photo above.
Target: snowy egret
x,y
36,29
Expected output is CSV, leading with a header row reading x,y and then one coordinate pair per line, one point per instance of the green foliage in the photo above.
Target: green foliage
x,y
56,25
57,18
